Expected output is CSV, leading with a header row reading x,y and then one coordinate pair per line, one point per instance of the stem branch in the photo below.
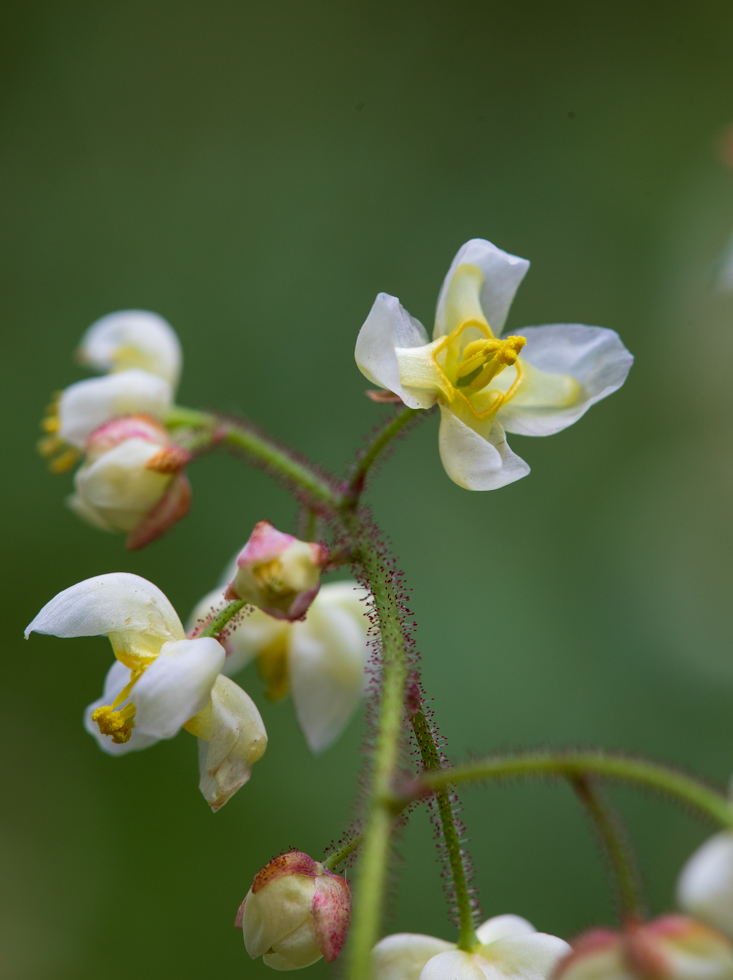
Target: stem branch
x,y
378,445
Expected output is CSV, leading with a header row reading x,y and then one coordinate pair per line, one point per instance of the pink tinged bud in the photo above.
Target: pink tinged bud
x,y
295,913
112,433
278,573
673,947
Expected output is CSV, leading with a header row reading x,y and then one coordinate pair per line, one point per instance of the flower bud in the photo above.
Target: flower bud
x,y
705,887
672,947
278,573
133,339
295,912
132,480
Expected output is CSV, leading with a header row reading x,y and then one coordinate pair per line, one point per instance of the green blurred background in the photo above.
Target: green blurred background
x,y
256,173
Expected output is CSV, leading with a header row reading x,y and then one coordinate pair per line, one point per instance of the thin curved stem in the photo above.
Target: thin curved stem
x,y
378,445
468,940
577,763
616,846
218,623
334,860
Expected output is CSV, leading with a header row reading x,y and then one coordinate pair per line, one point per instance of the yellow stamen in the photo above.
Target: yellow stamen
x,y
484,359
65,461
115,723
269,575
272,664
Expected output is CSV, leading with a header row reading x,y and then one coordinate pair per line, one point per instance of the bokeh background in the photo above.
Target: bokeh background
x,y
256,172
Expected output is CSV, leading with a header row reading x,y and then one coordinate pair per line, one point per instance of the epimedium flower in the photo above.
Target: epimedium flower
x,y
510,947
535,383
320,660
296,912
278,573
132,480
160,681
672,947
133,339
705,886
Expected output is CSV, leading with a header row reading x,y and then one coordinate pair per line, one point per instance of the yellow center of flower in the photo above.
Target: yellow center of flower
x,y
272,665
118,722
51,445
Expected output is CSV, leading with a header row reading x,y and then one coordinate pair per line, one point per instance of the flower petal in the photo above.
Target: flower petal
x,y
232,738
522,957
327,656
170,508
177,685
454,964
547,402
86,405
705,887
403,955
475,462
133,338
118,602
118,677
502,926
502,273
295,951
387,327
272,914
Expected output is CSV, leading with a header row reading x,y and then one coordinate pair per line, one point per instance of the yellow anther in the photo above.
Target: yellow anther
x,y
65,461
484,359
117,724
272,664
269,576
50,423
49,445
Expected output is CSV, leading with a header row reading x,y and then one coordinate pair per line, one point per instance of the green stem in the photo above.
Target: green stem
x,y
573,763
615,845
379,444
468,940
219,622
380,817
340,856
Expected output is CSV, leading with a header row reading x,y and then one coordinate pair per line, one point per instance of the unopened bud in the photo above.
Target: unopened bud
x,y
295,912
278,573
673,947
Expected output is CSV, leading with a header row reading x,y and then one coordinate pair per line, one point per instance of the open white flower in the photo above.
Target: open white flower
x,y
319,660
535,384
133,339
510,949
160,681
705,887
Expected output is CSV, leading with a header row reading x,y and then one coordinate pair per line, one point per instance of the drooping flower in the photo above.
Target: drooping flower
x,y
319,660
133,339
705,887
510,947
536,383
672,947
295,913
278,573
160,681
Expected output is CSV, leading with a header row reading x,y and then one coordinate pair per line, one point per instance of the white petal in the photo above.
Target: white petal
x,y
236,739
705,887
118,677
388,326
474,462
86,405
452,965
82,508
502,274
177,685
502,926
403,956
118,602
275,911
522,957
295,951
326,659
594,356
133,338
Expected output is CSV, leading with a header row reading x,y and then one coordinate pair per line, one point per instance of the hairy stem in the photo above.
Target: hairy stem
x,y
615,845
468,940
573,763
334,860
378,445
218,623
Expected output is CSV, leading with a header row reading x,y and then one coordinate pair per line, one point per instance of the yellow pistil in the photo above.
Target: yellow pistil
x,y
272,664
115,723
483,359
269,576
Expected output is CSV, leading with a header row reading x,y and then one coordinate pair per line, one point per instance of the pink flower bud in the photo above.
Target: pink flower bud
x,y
278,573
673,947
295,912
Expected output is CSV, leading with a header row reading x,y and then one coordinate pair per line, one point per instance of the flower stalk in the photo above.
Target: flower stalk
x,y
393,427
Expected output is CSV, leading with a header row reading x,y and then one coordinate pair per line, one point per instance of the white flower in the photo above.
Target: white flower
x,y
295,912
320,660
132,480
510,949
477,378
705,887
160,681
133,339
